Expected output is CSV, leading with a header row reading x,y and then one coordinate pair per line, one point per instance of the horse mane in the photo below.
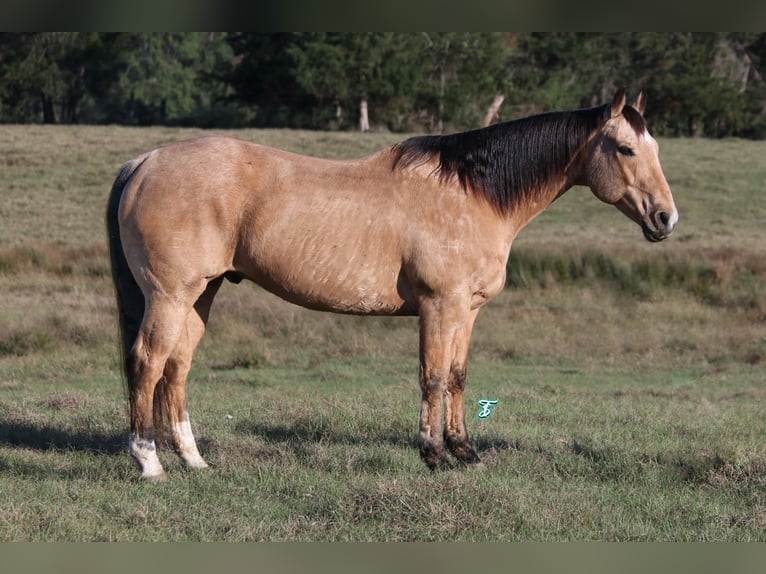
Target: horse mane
x,y
508,161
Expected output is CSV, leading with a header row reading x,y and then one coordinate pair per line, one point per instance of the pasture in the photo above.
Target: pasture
x,y
631,377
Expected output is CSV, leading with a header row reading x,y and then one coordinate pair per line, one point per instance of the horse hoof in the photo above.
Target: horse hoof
x,y
440,463
155,478
196,464
463,452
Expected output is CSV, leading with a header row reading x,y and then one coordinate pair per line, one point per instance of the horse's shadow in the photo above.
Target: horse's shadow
x,y
48,437
305,432
301,436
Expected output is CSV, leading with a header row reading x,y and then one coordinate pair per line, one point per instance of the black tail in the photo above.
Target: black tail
x,y
130,300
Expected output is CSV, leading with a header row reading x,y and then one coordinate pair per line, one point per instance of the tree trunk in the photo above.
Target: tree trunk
x,y
364,120
493,108
339,113
49,113
70,110
440,107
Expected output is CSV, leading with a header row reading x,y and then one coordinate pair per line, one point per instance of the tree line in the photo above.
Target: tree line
x,y
699,84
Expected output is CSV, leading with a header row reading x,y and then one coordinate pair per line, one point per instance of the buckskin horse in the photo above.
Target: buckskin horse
x,y
420,228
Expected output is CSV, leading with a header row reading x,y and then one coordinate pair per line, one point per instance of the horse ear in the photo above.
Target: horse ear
x,y
640,103
618,102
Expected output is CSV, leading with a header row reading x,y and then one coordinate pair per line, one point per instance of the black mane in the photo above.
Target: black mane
x,y
505,161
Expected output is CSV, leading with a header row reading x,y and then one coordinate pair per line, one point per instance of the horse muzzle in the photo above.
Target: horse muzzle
x,y
659,225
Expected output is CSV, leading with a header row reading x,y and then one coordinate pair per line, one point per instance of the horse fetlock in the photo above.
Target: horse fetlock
x,y
191,456
185,445
144,452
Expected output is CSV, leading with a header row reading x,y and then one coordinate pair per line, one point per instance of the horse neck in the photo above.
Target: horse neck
x,y
541,196
545,155
534,203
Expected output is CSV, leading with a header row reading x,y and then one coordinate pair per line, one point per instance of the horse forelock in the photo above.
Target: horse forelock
x,y
507,162
635,119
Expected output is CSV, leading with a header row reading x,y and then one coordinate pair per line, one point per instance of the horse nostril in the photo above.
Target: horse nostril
x,y
664,218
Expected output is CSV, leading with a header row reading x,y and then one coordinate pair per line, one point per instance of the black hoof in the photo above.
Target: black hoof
x,y
434,457
462,451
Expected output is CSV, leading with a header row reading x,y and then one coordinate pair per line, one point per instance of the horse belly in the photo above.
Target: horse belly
x,y
342,275
355,291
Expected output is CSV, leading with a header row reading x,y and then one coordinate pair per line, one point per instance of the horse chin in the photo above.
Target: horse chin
x,y
652,236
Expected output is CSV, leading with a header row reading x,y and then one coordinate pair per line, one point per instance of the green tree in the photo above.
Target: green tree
x,y
344,70
710,84
261,75
463,72
45,75
165,77
689,93
694,80
442,77
560,70
124,78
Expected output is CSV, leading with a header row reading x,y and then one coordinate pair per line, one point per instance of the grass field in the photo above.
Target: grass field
x,y
631,377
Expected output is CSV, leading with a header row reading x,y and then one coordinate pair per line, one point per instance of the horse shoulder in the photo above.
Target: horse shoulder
x,y
460,247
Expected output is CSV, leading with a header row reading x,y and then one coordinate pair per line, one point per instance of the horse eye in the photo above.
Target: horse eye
x,y
625,150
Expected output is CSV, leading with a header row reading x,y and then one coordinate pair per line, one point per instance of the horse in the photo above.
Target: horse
x,y
421,228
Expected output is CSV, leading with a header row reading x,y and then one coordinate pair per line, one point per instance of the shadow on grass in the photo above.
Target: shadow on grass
x,y
47,438
308,430
44,452
577,460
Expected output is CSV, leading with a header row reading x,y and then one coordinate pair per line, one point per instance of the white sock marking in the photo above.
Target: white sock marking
x,y
187,447
145,454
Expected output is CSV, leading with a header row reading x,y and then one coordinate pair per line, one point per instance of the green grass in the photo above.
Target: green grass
x,y
630,376
329,455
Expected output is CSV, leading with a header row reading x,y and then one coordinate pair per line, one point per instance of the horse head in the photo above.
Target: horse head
x,y
623,168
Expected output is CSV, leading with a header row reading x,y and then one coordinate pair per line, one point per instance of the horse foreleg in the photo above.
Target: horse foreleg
x,y
431,418
440,321
455,433
176,371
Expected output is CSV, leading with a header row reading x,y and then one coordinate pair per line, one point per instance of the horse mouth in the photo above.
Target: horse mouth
x,y
651,235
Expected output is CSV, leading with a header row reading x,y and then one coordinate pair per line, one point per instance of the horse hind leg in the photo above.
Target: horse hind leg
x,y
173,387
171,396
161,328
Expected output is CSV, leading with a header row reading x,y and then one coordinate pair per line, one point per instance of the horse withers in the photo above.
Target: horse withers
x,y
421,228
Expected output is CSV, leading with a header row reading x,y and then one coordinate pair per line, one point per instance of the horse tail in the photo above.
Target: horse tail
x,y
130,299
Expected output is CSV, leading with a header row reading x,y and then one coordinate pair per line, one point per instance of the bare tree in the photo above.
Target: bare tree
x,y
492,110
